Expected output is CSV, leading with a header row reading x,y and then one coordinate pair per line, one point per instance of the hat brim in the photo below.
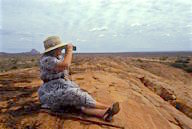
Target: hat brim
x,y
61,45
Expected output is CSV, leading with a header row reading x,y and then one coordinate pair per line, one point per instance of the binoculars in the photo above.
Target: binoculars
x,y
74,47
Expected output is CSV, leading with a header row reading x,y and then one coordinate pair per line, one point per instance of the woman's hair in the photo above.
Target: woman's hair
x,y
50,53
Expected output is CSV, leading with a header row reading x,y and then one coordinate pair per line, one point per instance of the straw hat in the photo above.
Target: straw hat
x,y
52,43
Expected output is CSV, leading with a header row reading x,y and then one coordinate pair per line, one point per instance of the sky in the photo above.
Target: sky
x,y
97,25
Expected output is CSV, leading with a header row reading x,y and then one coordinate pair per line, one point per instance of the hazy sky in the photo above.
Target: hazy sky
x,y
97,25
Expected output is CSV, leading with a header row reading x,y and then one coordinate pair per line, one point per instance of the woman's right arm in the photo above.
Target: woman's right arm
x,y
67,59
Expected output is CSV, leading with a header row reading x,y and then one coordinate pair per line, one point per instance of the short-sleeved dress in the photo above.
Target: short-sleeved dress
x,y
59,90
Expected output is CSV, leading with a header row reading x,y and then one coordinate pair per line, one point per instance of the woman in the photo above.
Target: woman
x,y
58,90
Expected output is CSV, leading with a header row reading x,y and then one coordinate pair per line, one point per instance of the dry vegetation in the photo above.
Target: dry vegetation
x,y
17,61
152,93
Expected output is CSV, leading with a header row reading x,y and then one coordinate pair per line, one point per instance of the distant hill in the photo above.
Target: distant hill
x,y
32,52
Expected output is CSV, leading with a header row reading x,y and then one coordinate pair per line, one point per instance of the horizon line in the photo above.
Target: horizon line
x,y
107,52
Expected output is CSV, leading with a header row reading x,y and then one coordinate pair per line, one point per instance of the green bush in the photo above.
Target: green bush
x,y
183,60
179,65
139,60
14,67
183,64
188,69
163,58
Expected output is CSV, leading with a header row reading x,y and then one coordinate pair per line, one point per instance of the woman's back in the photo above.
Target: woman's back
x,y
47,68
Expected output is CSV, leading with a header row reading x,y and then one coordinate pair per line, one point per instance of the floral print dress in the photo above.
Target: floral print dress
x,y
59,90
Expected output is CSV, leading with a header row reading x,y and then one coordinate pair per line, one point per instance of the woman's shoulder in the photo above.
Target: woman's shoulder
x,y
48,60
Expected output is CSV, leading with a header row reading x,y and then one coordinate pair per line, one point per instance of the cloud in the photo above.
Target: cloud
x,y
25,39
19,33
135,24
81,40
114,35
124,20
98,29
101,35
166,34
5,32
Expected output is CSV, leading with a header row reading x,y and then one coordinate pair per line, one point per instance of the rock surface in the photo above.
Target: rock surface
x,y
151,95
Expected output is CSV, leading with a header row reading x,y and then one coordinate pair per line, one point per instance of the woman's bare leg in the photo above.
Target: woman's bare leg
x,y
99,105
93,111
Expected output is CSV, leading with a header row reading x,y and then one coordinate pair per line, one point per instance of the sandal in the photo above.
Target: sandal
x,y
111,111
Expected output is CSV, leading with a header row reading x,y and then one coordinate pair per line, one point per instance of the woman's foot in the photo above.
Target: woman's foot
x,y
114,109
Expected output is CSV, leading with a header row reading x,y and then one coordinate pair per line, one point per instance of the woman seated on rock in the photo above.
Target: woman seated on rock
x,y
58,90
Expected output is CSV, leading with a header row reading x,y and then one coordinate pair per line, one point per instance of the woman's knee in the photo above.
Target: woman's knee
x,y
83,108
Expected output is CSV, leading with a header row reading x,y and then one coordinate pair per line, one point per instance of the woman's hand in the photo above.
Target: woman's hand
x,y
69,47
